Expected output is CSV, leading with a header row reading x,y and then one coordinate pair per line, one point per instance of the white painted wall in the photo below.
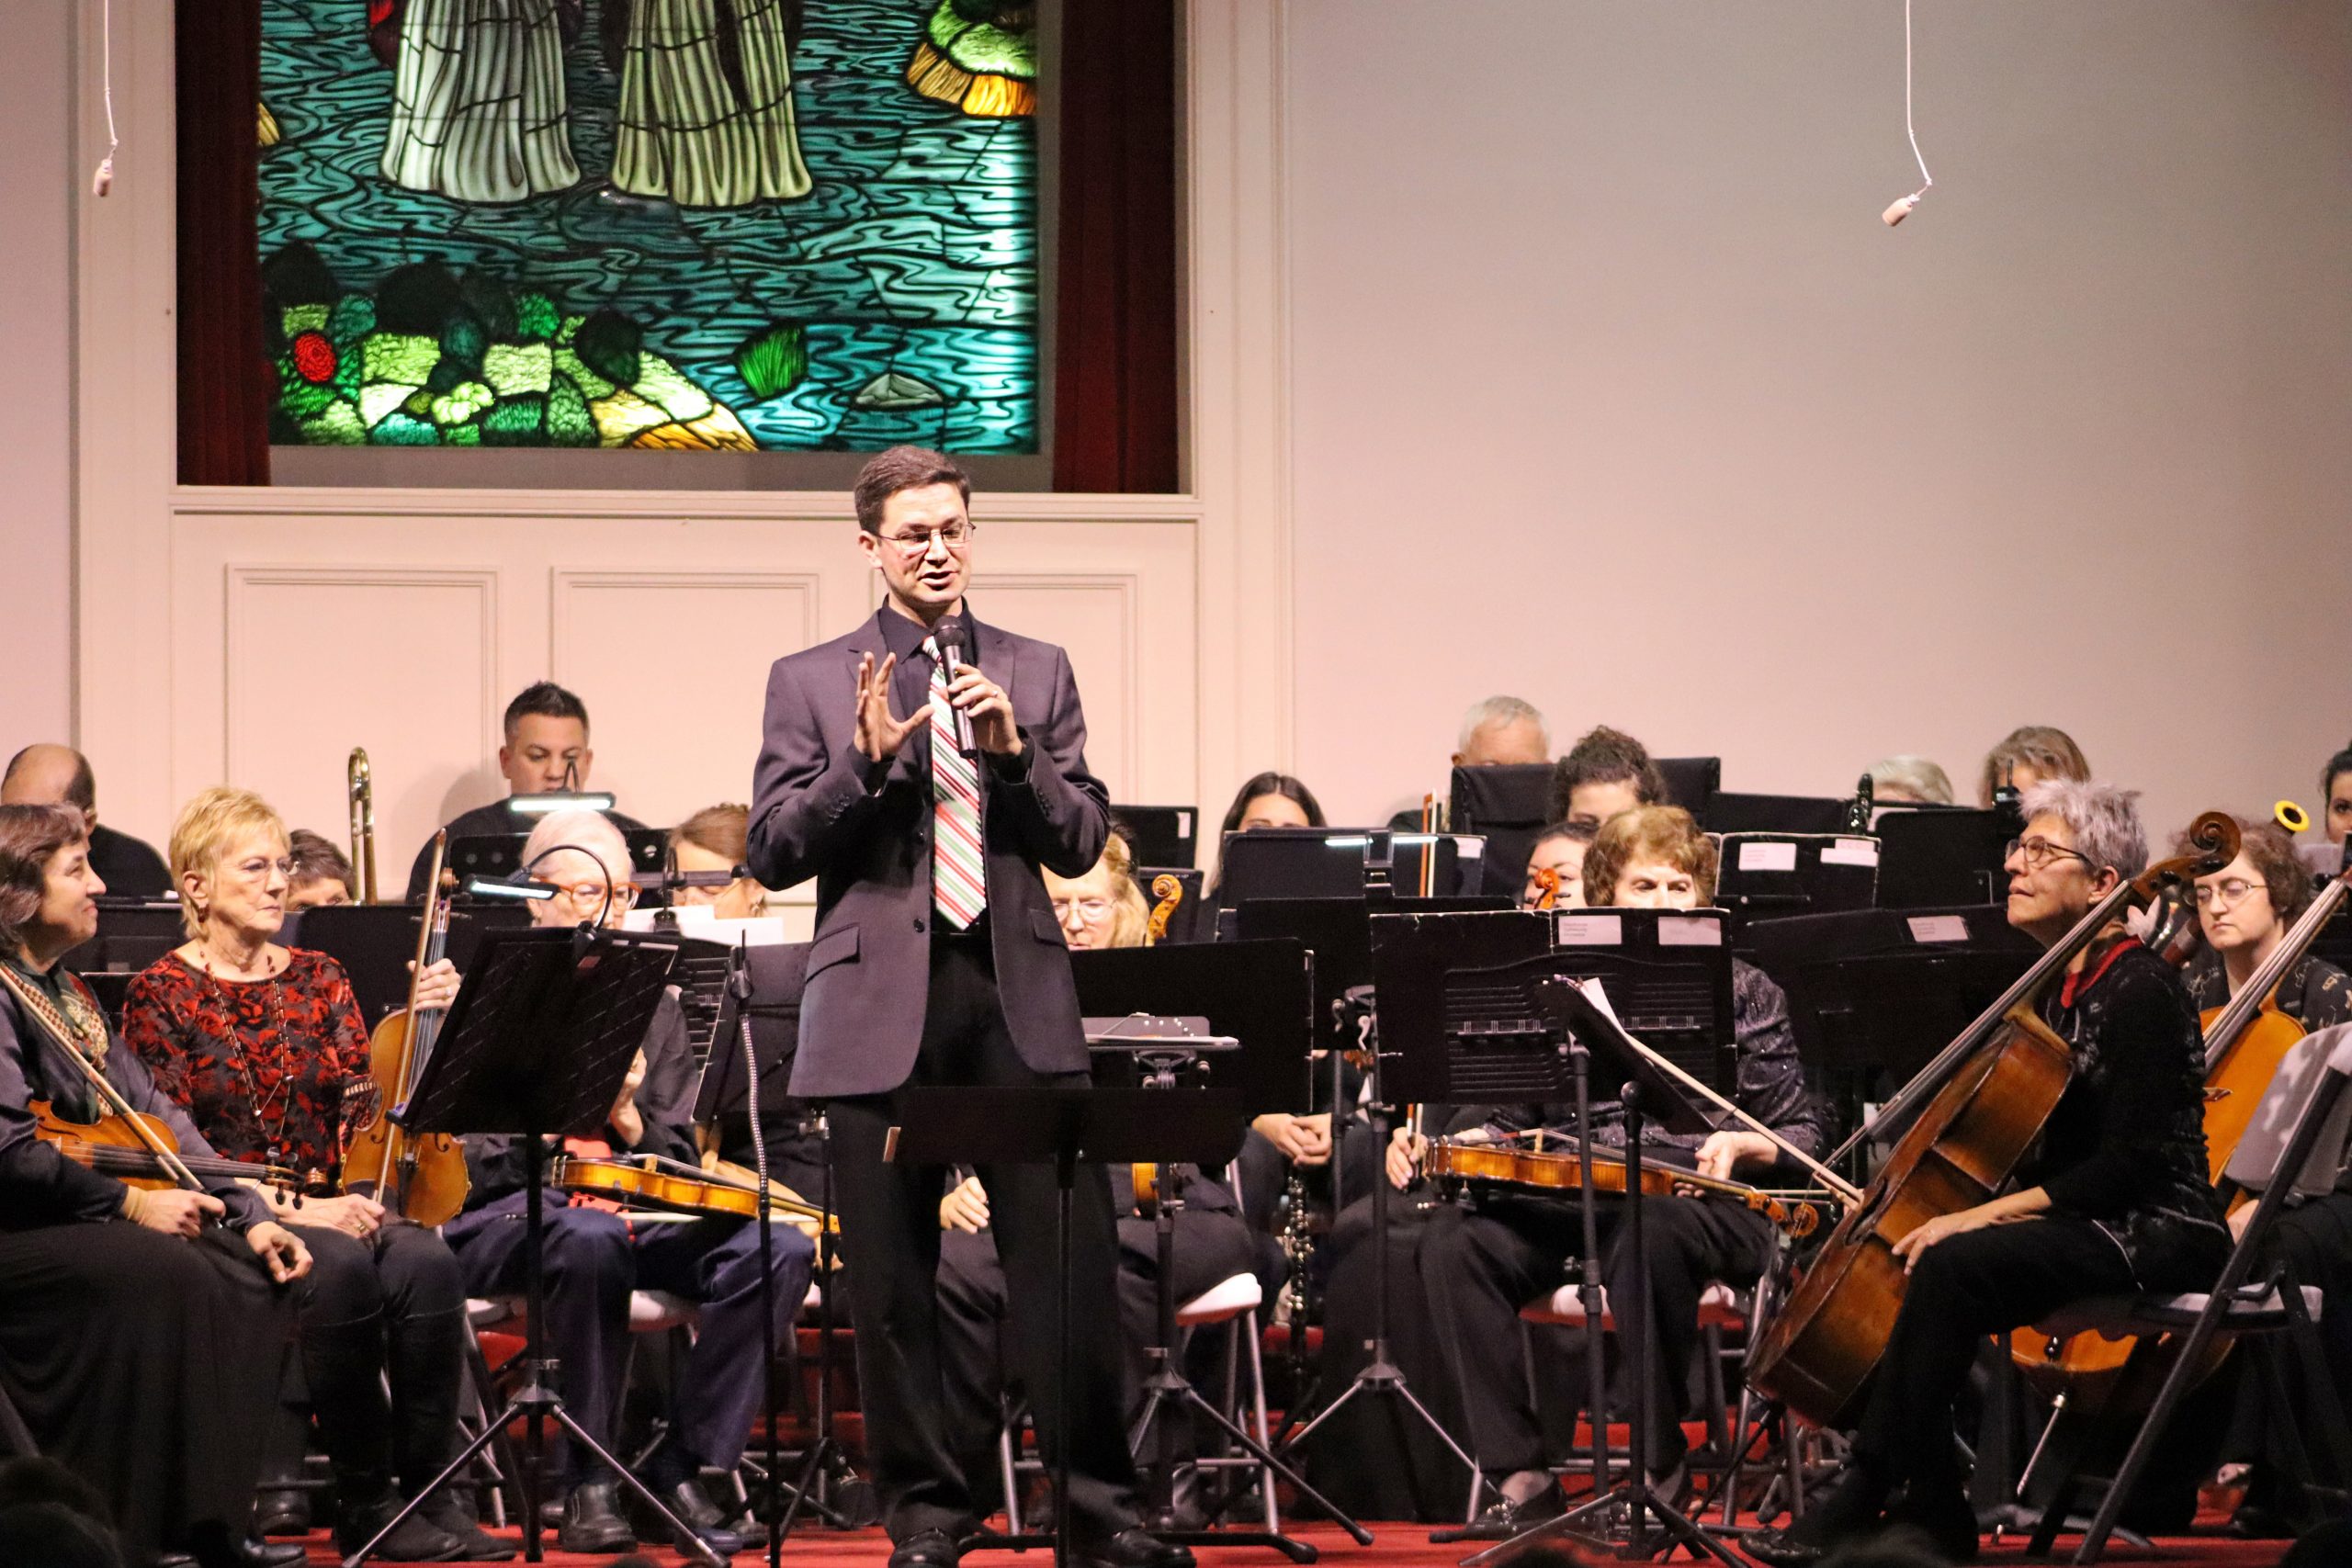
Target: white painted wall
x,y
38,188
1609,388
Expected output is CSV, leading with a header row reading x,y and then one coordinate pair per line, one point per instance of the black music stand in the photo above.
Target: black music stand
x,y
1934,857
536,1045
374,942
996,1124
1588,1028
743,1068
1730,812
1692,783
1160,835
1764,876
1508,802
1255,993
1875,994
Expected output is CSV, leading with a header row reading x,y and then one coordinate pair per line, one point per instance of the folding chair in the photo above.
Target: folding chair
x,y
2295,1143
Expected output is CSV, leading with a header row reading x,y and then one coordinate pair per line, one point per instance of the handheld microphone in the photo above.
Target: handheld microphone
x,y
954,636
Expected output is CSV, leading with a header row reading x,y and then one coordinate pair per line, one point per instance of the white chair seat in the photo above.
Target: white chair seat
x,y
1720,1306
650,1312
2123,1317
1228,1299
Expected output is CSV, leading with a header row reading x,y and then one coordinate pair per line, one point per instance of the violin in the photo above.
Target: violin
x,y
1967,1122
1169,889
652,1181
423,1177
132,1148
1548,887
1546,1171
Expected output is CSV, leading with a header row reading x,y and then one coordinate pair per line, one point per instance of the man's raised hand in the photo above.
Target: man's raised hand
x,y
879,736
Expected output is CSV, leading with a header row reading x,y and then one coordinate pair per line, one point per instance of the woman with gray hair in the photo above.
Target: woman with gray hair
x,y
2115,1198
1908,780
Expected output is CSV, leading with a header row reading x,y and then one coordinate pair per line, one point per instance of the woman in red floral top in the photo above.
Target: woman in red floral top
x,y
261,1044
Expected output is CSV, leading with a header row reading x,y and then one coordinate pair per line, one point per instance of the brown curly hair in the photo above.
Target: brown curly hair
x,y
1666,835
2267,847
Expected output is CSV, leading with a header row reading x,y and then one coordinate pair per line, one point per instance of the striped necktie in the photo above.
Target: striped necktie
x,y
959,888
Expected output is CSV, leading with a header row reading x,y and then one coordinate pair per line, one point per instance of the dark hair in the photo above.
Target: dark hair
x,y
1273,782
81,789
30,836
1606,756
544,699
904,467
316,859
2287,881
2337,766
1575,832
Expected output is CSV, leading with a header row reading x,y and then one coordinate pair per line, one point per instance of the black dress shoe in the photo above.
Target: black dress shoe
x,y
253,1552
1137,1548
693,1509
926,1549
592,1524
281,1510
1505,1519
1782,1549
453,1518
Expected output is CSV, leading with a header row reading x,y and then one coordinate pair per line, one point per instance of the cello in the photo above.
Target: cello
x,y
2246,1039
1969,1119
423,1177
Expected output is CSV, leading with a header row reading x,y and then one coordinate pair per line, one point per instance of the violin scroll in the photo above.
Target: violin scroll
x,y
1169,889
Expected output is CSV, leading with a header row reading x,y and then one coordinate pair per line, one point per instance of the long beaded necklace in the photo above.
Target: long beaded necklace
x,y
275,1133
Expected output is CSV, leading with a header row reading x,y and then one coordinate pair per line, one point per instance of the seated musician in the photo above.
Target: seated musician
x,y
1480,1263
143,1355
594,1258
2336,797
2243,911
2116,1199
317,874
545,751
1559,850
1908,780
50,774
262,1043
1496,732
1272,800
1103,908
1606,771
2028,755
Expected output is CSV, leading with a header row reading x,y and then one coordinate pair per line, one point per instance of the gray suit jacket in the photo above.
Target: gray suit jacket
x,y
819,808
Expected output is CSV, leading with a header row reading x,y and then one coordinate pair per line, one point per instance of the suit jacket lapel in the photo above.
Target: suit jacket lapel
x,y
995,656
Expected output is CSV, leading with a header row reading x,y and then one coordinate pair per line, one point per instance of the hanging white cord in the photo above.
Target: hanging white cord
x,y
103,181
1902,209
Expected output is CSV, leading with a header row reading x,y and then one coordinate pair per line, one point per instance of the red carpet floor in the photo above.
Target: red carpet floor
x,y
1394,1546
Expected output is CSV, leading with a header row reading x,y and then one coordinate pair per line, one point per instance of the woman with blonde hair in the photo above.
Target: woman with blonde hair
x,y
265,1046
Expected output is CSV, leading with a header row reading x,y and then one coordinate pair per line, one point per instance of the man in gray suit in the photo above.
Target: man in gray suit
x,y
937,961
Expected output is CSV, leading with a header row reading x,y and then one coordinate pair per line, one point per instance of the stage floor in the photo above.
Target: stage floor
x,y
1394,1546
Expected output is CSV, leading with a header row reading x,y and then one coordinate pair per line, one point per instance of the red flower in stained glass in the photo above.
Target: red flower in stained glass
x,y
314,358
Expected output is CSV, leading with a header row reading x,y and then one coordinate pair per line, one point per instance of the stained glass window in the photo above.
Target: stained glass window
x,y
714,224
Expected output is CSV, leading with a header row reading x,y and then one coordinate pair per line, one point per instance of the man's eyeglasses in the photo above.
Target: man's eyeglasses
x,y
916,543
1090,912
2226,893
2036,853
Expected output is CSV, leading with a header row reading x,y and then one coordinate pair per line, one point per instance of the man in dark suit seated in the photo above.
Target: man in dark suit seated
x,y
547,750
50,774
937,961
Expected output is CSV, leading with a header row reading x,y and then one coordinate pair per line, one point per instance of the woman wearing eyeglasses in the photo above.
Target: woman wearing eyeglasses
x,y
2114,1199
261,1043
2243,911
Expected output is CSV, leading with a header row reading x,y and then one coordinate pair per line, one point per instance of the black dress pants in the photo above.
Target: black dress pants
x,y
1977,1284
1479,1266
889,1218
148,1366
387,1309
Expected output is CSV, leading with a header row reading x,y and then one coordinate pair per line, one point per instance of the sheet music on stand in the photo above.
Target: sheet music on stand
x,y
1764,875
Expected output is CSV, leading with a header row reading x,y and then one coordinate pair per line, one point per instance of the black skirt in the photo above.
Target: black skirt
x,y
147,1364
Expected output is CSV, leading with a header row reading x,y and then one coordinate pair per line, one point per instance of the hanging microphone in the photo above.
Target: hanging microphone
x,y
953,635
